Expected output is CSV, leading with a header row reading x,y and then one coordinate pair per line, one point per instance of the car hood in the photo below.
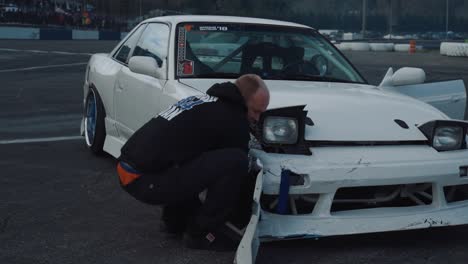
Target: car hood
x,y
347,112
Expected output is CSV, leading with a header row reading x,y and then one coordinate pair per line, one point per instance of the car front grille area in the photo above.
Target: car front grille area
x,y
456,193
369,197
355,198
297,205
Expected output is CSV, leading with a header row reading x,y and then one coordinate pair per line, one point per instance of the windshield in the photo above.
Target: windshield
x,y
208,50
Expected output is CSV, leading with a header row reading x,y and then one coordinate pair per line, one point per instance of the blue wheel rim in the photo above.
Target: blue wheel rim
x,y
90,121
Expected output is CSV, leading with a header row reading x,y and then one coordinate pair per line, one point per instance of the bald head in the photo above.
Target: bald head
x,y
255,93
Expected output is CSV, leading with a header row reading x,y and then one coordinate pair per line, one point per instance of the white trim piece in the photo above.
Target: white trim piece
x,y
37,140
248,247
112,145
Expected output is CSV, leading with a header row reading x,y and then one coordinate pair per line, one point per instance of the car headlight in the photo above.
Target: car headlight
x,y
448,138
446,135
280,130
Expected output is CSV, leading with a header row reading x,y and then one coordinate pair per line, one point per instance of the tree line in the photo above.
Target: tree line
x,y
408,15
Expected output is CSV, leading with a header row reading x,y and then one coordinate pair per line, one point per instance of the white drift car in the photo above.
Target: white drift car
x,y
334,154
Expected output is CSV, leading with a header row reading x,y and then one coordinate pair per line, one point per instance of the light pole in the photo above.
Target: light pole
x,y
140,11
391,19
446,19
364,18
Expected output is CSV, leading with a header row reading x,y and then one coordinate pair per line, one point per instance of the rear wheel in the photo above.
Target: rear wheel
x,y
95,131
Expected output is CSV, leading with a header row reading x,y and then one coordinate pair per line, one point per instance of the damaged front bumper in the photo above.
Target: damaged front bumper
x,y
420,173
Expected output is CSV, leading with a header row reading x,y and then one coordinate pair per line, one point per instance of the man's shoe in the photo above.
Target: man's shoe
x,y
172,228
209,241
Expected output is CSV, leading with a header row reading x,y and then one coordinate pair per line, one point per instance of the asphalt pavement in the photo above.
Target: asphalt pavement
x,y
61,204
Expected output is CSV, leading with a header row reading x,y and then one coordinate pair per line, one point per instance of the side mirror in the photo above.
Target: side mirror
x,y
147,66
404,76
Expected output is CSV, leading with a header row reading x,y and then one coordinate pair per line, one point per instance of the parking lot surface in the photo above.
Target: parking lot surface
x,y
61,204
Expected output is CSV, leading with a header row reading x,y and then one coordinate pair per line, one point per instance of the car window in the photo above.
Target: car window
x,y
209,50
154,42
124,51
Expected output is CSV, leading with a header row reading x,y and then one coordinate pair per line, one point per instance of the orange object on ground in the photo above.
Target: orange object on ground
x,y
412,49
126,175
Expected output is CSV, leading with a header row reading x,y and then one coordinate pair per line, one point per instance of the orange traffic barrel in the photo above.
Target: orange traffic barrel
x,y
412,49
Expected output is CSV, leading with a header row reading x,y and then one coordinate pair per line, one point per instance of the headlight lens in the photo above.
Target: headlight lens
x,y
447,138
280,130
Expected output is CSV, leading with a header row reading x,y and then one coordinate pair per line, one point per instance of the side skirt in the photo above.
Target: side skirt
x,y
113,142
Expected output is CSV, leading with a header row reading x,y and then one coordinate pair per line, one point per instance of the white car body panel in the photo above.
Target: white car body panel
x,y
355,119
248,247
146,91
340,112
452,101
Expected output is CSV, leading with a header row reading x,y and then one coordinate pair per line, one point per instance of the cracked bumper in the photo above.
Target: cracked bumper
x,y
275,227
330,169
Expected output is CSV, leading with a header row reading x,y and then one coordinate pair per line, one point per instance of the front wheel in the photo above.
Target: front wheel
x,y
95,130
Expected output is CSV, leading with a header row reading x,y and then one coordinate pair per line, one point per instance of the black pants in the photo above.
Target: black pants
x,y
222,172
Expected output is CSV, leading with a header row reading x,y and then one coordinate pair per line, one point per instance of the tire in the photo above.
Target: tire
x,y
94,114
443,48
402,47
345,46
381,47
360,46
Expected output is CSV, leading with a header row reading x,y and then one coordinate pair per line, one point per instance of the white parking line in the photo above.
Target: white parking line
x,y
47,51
36,140
43,67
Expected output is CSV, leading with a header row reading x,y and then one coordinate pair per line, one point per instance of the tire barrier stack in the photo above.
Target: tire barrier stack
x,y
365,46
402,47
58,34
453,49
388,47
378,47
360,46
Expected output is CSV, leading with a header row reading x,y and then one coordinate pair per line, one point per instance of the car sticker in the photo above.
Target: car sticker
x,y
187,67
188,27
184,66
213,28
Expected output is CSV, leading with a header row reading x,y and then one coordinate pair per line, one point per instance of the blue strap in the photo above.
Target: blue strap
x,y
128,168
283,200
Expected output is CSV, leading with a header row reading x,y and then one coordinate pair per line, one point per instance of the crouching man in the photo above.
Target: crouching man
x,y
200,143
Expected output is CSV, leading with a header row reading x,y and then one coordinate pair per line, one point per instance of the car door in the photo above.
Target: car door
x,y
447,96
137,96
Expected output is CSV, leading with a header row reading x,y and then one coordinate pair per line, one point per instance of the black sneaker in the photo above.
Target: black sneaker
x,y
174,219
172,228
209,241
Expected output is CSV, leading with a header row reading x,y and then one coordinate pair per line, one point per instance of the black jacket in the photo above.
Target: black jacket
x,y
192,126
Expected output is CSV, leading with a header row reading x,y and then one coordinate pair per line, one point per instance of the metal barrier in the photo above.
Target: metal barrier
x,y
19,33
7,32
